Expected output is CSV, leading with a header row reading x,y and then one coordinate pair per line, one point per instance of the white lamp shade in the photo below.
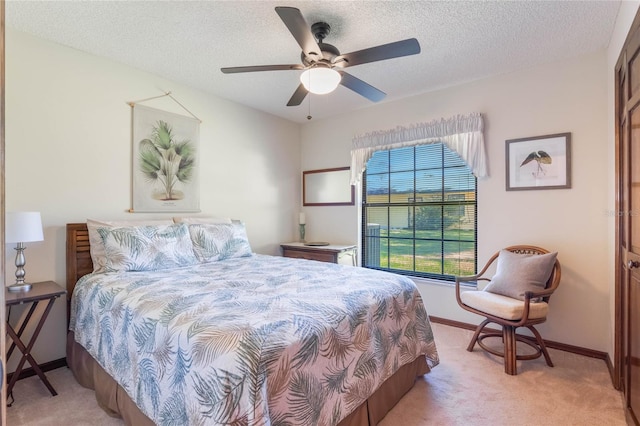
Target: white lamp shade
x,y
23,227
320,80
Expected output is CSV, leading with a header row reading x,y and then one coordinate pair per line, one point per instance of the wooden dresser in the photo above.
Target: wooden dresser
x,y
344,254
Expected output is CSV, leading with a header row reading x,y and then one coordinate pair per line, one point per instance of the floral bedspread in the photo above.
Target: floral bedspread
x,y
260,340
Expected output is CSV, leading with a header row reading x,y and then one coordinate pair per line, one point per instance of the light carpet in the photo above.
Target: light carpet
x,y
466,388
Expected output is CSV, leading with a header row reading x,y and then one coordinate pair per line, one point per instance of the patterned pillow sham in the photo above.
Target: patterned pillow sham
x,y
96,246
213,242
147,248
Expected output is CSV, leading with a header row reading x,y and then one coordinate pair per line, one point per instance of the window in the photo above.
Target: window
x,y
419,212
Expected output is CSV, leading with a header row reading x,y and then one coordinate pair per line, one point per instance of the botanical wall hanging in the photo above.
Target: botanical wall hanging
x,y
540,162
165,161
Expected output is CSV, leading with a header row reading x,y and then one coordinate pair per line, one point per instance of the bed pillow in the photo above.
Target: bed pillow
x,y
212,242
201,220
519,273
96,247
147,248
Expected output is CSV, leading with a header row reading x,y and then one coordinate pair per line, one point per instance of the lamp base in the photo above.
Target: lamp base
x,y
14,288
302,232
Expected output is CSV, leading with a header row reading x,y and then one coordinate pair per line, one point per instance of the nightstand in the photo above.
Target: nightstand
x,y
332,253
47,291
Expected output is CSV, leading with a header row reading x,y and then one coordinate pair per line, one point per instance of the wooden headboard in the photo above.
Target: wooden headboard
x,y
79,261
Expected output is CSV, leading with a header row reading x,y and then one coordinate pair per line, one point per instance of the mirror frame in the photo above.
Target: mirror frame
x,y
337,202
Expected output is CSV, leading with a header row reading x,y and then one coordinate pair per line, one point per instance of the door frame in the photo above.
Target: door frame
x,y
622,102
3,395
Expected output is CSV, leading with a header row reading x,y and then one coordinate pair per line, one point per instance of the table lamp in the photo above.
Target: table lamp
x,y
20,228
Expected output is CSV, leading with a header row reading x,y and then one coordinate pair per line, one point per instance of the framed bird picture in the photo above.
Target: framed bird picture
x,y
541,162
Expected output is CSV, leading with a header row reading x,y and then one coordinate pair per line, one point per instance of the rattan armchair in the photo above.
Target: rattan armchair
x,y
509,313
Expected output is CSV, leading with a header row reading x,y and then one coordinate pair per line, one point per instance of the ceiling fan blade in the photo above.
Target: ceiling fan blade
x,y
361,88
300,30
298,96
379,53
232,70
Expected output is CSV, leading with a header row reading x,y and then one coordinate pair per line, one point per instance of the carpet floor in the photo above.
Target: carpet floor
x,y
466,388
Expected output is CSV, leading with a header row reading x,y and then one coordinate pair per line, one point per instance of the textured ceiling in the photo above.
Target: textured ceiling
x,y
189,41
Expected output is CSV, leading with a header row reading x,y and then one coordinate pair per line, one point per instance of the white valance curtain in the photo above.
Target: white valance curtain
x,y
462,134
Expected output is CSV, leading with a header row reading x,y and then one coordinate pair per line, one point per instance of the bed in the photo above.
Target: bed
x,y
253,339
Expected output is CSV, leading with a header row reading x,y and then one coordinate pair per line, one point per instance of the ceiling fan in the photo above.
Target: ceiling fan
x,y
323,64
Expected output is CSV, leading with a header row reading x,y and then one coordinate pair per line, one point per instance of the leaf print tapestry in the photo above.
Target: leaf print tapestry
x,y
259,340
165,161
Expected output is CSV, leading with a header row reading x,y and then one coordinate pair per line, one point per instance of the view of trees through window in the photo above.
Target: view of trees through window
x,y
419,212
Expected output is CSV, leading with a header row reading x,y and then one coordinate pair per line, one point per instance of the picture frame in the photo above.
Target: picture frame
x,y
539,162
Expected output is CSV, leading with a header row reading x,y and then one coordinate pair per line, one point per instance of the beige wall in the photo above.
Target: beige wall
x,y
568,96
68,154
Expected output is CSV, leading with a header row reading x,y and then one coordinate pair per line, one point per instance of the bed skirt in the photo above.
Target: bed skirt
x,y
115,402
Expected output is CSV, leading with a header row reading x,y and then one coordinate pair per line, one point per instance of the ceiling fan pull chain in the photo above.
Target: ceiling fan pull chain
x,y
309,100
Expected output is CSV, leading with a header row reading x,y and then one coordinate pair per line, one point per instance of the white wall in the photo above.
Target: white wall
x,y
569,96
68,155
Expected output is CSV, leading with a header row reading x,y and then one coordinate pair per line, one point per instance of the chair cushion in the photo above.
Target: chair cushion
x,y
502,306
519,273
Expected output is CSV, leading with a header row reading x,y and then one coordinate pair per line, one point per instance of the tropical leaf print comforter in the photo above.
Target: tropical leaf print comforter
x,y
258,340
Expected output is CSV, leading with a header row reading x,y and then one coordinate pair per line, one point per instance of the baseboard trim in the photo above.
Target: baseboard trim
x,y
47,366
550,344
612,373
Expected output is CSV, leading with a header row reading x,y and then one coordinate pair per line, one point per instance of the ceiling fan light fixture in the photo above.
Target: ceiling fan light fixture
x,y
320,81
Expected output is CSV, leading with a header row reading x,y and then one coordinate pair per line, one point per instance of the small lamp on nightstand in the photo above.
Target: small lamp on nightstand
x,y
20,228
